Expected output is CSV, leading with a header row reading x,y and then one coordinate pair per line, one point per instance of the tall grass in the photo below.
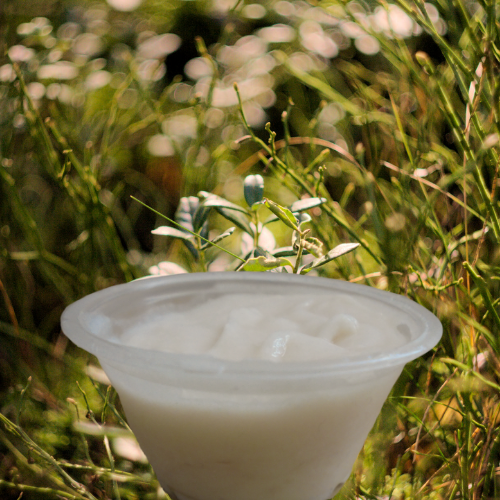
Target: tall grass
x,y
409,171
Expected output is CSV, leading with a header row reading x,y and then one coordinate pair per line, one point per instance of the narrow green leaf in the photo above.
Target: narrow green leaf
x,y
488,302
172,232
301,218
468,369
222,236
336,252
200,218
238,219
91,429
260,264
283,213
231,214
274,218
402,133
284,252
219,202
287,252
300,215
320,85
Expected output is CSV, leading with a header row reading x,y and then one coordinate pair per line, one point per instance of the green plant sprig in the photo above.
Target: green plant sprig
x,y
188,230
193,213
301,180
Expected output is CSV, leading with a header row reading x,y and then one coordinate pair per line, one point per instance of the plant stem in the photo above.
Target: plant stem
x,y
298,261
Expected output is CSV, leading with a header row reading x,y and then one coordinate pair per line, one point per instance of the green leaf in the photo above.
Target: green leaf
x,y
314,246
192,215
225,234
172,232
253,189
238,219
284,252
287,252
260,264
339,250
297,208
218,202
185,211
228,210
283,213
303,218
302,205
253,253
200,219
181,235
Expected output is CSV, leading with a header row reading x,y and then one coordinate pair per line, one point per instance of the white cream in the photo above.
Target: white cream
x,y
287,328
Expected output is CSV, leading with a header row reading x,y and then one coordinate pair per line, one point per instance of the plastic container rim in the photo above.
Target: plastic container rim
x,y
126,357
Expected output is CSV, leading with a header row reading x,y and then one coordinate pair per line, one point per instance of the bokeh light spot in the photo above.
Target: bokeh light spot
x,y
62,70
159,46
198,68
367,44
279,33
254,11
160,145
124,5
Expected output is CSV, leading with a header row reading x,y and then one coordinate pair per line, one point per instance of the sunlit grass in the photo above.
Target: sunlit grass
x,y
390,113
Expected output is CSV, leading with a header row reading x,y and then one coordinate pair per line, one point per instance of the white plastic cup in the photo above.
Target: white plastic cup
x,y
246,430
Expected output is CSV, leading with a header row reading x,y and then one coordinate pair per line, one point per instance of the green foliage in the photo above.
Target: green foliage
x,y
257,258
372,127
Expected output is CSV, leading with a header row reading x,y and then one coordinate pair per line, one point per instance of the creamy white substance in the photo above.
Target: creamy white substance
x,y
284,328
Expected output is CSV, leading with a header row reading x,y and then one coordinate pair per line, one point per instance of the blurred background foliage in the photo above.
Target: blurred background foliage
x,y
390,111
